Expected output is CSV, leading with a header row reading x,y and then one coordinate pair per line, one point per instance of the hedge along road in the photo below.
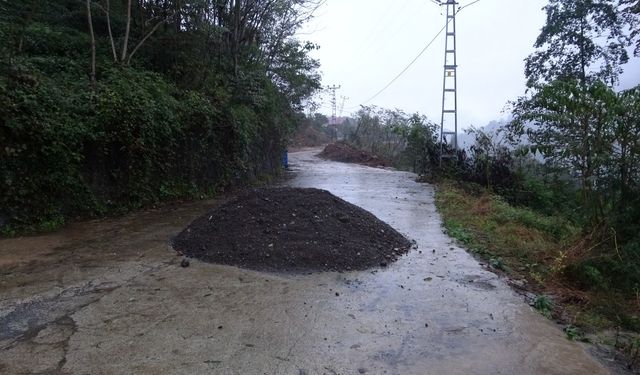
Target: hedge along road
x,y
109,297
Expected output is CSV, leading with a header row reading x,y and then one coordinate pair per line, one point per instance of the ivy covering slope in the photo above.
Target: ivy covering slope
x,y
113,105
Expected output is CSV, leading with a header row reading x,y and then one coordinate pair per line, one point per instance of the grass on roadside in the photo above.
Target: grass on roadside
x,y
528,245
509,238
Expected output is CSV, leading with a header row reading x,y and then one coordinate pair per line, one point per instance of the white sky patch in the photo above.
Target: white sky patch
x,y
364,44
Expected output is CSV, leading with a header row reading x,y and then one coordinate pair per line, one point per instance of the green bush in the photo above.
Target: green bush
x,y
139,140
619,272
42,125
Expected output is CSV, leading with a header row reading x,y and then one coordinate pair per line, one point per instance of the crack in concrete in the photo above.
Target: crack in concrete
x,y
28,319
65,344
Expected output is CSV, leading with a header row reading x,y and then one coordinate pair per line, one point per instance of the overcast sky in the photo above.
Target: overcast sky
x,y
364,44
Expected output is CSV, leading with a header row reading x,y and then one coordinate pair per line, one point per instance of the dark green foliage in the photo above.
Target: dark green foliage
x,y
42,130
409,142
422,144
583,40
619,271
203,96
544,305
632,7
489,162
588,135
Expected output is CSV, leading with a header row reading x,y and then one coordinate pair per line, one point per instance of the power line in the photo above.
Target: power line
x,y
372,50
406,68
414,60
379,26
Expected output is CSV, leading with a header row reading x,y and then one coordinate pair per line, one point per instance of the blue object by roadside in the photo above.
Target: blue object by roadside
x,y
285,159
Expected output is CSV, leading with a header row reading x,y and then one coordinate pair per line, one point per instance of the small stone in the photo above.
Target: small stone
x,y
184,263
361,370
337,294
426,324
383,264
219,327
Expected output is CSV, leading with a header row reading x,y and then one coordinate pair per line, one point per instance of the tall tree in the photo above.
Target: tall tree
x,y
570,111
632,7
572,125
582,39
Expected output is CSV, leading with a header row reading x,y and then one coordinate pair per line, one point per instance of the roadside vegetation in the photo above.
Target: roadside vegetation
x,y
108,106
551,199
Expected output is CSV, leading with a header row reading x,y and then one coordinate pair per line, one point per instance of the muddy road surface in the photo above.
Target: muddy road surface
x,y
110,297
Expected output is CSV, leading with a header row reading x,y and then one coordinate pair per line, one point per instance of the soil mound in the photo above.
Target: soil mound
x,y
344,152
288,229
308,137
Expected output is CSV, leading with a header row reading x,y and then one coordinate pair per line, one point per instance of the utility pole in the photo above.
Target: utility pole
x,y
333,90
334,103
450,84
344,99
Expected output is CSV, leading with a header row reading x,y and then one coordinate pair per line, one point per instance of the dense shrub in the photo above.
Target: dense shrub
x,y
138,140
197,109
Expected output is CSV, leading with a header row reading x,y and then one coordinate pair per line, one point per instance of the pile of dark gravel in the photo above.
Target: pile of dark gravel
x,y
291,229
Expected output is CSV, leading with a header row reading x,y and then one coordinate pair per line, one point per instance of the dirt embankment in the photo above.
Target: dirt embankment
x,y
344,152
307,137
289,229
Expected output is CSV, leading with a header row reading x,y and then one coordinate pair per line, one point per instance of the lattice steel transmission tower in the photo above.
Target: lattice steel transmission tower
x,y
334,102
449,117
343,100
333,126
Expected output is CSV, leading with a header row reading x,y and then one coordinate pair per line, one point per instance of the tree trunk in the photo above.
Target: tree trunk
x,y
92,74
144,40
125,44
23,30
236,36
108,15
583,62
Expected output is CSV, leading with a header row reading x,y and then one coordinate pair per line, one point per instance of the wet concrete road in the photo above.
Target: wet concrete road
x,y
109,297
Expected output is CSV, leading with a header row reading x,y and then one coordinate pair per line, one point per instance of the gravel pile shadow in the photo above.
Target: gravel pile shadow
x,y
344,152
290,229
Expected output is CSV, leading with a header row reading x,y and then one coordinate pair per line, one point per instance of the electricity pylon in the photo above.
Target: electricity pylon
x,y
334,103
450,84
344,99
